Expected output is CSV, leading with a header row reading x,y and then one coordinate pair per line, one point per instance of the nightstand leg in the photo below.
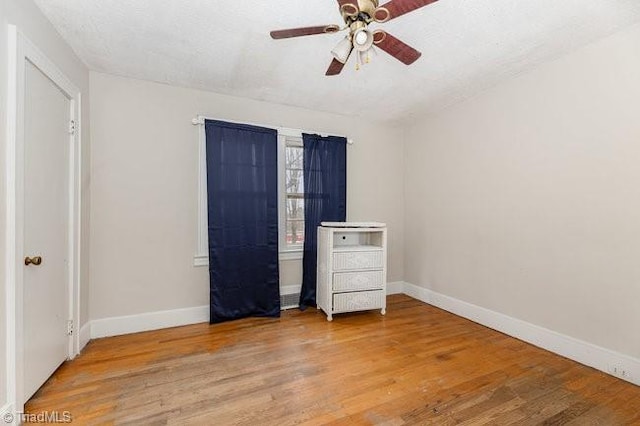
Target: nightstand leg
x,y
383,311
329,317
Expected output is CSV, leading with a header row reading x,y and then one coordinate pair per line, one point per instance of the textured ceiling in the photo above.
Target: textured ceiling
x,y
224,46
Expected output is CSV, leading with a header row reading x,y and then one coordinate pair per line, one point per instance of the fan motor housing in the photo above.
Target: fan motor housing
x,y
367,7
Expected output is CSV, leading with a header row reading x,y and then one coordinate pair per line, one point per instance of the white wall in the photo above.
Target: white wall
x,y
30,21
526,199
144,188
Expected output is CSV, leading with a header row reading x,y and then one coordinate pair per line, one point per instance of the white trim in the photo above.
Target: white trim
x,y
282,140
201,256
578,350
201,260
20,51
84,336
75,224
8,413
116,326
11,217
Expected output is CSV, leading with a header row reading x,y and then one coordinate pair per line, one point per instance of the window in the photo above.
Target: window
x,y
291,185
290,202
293,194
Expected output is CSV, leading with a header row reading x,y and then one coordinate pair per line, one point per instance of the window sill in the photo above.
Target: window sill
x,y
203,260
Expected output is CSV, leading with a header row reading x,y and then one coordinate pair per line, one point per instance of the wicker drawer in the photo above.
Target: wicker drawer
x,y
350,281
358,301
349,260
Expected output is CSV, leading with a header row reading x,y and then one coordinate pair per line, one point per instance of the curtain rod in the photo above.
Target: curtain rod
x,y
199,120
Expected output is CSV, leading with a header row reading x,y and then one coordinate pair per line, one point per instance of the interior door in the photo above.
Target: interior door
x,y
46,229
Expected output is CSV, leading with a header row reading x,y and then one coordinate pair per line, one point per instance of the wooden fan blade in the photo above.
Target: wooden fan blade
x,y
349,7
299,32
396,48
395,8
335,68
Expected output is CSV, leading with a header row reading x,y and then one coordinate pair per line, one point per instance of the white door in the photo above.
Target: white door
x,y
46,228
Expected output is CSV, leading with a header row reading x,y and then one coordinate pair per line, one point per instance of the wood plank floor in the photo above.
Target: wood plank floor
x,y
417,365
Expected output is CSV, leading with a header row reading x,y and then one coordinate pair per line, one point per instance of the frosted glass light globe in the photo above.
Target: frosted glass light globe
x,y
361,38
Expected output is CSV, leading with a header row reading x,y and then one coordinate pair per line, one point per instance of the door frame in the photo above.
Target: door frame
x,y
21,50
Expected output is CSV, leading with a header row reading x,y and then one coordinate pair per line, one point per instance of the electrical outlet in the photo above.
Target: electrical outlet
x,y
621,372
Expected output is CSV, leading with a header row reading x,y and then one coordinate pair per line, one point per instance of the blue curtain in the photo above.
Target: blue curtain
x,y
242,186
325,200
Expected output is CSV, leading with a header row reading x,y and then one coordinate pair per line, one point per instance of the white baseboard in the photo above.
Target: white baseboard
x,y
116,326
84,336
611,362
396,287
8,413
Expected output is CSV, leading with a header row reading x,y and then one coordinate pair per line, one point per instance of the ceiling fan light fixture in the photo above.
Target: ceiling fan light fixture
x,y
362,39
342,50
365,56
357,16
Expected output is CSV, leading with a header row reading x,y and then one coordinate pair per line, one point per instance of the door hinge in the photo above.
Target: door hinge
x,y
70,328
72,127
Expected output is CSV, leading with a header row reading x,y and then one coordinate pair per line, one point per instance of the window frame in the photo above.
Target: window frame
x,y
287,251
201,257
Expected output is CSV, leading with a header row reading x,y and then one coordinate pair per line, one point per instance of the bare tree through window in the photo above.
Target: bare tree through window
x,y
294,188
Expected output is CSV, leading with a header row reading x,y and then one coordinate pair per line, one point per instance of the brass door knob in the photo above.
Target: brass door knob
x,y
36,260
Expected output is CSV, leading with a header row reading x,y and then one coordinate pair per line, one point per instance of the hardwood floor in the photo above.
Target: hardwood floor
x,y
418,365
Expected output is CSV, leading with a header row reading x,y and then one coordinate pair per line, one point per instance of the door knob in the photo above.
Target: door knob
x,y
36,260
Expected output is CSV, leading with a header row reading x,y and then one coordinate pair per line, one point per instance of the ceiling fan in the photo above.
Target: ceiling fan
x,y
357,15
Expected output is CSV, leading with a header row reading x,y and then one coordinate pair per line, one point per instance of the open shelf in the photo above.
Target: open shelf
x,y
369,239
